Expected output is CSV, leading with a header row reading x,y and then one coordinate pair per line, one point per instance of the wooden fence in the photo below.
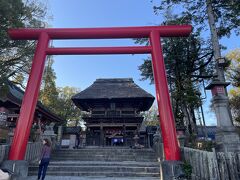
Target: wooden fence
x,y
211,165
32,153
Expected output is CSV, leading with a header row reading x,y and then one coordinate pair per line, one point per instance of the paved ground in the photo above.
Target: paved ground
x,y
90,178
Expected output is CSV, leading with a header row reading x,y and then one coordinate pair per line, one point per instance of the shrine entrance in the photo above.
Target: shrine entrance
x,y
43,36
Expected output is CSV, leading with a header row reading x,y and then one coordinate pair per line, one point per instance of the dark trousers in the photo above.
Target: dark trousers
x,y
43,168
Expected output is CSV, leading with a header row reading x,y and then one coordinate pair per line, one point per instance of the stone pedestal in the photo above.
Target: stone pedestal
x,y
158,145
59,137
10,137
72,142
227,139
18,167
181,140
172,170
49,134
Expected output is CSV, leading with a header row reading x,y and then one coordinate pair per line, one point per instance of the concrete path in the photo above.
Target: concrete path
x,y
91,178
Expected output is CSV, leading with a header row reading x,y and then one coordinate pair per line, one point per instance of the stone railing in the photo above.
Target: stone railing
x,y
32,153
212,165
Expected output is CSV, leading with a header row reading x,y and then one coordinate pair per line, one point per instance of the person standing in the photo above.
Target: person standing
x,y
44,159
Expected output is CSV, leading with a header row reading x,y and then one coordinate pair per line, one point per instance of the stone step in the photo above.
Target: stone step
x,y
106,149
106,153
104,159
110,153
101,152
103,156
99,169
92,155
103,163
99,174
92,178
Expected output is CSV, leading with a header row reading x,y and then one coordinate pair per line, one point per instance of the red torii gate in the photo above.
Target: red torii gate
x,y
24,123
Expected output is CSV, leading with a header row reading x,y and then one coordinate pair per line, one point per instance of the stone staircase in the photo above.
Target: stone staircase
x,y
102,162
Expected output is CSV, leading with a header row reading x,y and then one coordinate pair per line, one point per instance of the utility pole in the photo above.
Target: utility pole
x,y
227,139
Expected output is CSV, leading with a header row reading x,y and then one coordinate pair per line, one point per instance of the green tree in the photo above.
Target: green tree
x,y
187,61
65,108
58,100
233,71
218,19
233,74
221,18
151,116
226,13
49,93
16,56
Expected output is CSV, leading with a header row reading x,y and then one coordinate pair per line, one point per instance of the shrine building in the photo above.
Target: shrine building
x,y
10,104
113,109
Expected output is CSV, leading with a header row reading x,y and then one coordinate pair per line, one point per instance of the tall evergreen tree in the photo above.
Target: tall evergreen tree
x,y
220,18
58,100
16,56
49,93
226,13
187,62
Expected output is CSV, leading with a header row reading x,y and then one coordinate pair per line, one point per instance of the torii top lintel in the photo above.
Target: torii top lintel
x,y
100,33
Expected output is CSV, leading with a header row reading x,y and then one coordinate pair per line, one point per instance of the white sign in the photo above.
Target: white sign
x,y
65,142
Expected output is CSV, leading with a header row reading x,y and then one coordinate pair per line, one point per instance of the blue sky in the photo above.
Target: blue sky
x,y
81,71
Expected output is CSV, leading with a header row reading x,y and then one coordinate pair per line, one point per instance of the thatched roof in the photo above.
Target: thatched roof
x,y
113,90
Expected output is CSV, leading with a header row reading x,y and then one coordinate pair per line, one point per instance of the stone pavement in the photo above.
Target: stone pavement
x,y
92,178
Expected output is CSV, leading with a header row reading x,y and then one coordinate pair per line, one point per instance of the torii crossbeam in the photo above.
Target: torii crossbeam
x,y
154,33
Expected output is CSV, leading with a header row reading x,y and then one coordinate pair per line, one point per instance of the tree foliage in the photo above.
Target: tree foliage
x,y
16,56
233,74
187,61
58,100
233,71
65,107
226,13
151,116
49,92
